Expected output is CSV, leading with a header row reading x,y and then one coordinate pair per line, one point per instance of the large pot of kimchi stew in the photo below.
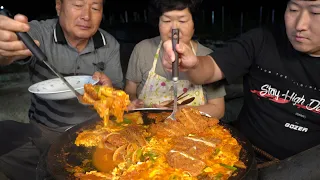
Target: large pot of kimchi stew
x,y
147,146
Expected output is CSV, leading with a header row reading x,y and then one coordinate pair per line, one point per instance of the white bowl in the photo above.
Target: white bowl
x,y
55,89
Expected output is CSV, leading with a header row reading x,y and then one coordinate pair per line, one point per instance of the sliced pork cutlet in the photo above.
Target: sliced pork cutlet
x,y
195,146
181,160
168,129
194,121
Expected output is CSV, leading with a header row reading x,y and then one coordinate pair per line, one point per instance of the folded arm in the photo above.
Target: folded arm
x,y
131,90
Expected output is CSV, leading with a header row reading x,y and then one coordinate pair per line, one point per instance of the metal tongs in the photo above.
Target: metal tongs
x,y
175,72
37,52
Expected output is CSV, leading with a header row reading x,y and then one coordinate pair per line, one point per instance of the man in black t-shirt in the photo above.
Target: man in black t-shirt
x,y
281,72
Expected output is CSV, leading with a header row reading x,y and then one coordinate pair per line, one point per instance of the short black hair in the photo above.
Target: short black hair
x,y
158,7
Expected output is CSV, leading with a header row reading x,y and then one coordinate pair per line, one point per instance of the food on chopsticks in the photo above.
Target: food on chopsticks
x,y
107,101
192,147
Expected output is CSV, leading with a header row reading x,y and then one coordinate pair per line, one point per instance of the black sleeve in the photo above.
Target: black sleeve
x,y
237,55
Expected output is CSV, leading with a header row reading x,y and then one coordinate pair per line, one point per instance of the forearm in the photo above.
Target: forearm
x,y
213,110
130,89
132,96
203,72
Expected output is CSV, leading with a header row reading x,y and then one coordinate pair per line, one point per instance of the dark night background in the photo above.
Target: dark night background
x,y
129,21
40,9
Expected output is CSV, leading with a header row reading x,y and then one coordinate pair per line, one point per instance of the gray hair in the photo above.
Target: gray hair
x,y
103,2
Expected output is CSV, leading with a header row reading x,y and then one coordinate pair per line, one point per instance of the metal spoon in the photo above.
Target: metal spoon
x,y
37,52
175,72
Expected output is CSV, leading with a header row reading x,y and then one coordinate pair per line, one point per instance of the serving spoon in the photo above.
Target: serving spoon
x,y
37,52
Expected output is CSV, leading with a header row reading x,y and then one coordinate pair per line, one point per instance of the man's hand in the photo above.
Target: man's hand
x,y
187,59
103,79
11,48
